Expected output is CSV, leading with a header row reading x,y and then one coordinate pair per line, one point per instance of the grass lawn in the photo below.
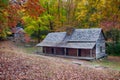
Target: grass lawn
x,y
115,65
28,48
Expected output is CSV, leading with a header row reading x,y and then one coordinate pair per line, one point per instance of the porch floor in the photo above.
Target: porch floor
x,y
66,56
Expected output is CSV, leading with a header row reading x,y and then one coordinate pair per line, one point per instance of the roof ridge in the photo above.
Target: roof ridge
x,y
57,32
88,28
78,29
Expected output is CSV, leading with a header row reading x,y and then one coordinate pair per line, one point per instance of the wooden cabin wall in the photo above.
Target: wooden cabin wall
x,y
94,52
85,52
59,51
72,52
48,50
100,46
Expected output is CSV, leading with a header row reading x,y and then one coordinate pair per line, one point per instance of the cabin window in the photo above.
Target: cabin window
x,y
100,49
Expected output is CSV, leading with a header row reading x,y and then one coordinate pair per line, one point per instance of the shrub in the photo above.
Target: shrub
x,y
113,49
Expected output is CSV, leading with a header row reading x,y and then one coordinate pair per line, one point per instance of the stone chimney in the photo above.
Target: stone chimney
x,y
69,30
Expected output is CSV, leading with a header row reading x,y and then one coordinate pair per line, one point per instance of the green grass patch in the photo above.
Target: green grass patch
x,y
30,49
107,63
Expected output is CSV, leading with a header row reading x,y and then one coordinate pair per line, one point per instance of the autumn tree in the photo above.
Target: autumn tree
x,y
111,13
3,16
33,10
14,14
111,20
90,12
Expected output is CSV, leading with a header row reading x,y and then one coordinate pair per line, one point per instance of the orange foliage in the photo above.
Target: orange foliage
x,y
33,8
13,16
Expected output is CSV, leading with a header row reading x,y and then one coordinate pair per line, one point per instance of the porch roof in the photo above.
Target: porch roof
x,y
68,45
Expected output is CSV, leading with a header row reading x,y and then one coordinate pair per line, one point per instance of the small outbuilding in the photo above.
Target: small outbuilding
x,y
76,42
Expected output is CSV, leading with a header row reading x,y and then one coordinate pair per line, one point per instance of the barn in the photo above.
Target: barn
x,y
76,42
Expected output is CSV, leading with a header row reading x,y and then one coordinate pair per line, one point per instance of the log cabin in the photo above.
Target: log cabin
x,y
86,43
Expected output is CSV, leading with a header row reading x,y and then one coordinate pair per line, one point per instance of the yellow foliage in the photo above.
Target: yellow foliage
x,y
9,33
94,17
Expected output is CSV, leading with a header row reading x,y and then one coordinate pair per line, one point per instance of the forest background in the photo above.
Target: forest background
x,y
39,17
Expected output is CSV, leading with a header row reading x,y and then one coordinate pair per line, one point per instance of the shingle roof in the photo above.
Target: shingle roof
x,y
47,44
81,38
77,45
68,45
55,37
85,34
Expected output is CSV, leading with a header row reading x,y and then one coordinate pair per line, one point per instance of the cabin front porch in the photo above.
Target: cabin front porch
x,y
70,52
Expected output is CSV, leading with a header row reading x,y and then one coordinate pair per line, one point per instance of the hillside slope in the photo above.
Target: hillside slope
x,y
17,65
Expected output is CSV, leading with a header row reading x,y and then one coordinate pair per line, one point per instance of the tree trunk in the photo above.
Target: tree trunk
x,y
50,22
39,33
59,9
68,11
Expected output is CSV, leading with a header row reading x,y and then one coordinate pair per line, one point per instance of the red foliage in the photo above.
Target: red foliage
x,y
112,23
31,7
13,16
34,8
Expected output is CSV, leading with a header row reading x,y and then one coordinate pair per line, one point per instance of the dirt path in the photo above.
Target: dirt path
x,y
17,65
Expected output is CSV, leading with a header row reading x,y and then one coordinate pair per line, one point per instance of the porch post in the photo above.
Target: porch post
x,y
44,49
90,52
65,51
77,51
